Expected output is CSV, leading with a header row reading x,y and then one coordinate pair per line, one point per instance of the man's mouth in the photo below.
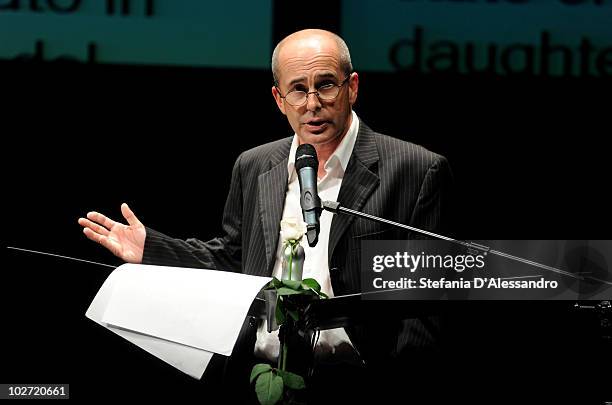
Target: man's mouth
x,y
316,125
316,122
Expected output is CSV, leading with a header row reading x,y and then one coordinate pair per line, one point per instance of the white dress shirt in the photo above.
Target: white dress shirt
x,y
316,265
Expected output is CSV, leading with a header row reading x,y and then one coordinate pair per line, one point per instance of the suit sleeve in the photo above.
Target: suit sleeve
x,y
418,338
221,253
431,210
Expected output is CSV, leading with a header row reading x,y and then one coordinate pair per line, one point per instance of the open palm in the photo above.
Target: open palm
x,y
124,241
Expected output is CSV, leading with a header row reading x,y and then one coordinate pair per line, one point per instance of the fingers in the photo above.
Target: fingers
x,y
101,219
96,237
101,239
86,223
129,215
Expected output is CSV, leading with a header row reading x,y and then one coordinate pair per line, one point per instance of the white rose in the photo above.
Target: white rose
x,y
292,229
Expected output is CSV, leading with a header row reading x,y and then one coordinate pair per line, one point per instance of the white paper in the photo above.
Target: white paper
x,y
180,315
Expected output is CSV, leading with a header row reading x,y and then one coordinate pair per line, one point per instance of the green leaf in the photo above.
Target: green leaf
x,y
276,283
287,291
293,314
259,369
293,284
311,284
292,380
280,313
269,388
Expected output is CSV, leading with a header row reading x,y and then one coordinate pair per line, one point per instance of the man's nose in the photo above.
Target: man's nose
x,y
313,103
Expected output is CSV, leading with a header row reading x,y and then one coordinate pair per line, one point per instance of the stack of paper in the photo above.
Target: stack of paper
x,y
180,315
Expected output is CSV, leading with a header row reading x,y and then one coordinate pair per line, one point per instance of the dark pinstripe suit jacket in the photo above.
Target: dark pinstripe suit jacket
x,y
386,177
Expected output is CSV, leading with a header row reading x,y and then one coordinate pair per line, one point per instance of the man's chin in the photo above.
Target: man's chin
x,y
316,138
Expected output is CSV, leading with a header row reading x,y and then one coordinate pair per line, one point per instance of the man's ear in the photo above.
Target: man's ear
x,y
353,88
279,101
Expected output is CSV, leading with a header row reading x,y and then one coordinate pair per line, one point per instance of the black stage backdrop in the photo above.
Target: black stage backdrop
x,y
529,157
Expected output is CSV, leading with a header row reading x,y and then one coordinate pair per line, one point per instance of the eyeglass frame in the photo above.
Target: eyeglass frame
x,y
312,92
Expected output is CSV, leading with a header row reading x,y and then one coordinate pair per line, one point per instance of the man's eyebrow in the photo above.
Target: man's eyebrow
x,y
297,80
326,76
300,79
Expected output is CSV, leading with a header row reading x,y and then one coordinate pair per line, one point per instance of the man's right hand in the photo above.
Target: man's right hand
x,y
124,241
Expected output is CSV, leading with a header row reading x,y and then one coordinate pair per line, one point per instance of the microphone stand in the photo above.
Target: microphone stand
x,y
603,309
337,208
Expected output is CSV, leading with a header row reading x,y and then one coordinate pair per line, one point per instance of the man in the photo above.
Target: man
x,y
315,88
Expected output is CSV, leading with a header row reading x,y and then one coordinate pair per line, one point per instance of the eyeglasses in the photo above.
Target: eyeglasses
x,y
327,92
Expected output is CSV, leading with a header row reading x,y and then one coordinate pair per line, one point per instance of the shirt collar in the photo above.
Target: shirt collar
x,y
341,156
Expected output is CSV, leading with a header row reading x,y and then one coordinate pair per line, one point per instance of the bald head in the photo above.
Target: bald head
x,y
311,38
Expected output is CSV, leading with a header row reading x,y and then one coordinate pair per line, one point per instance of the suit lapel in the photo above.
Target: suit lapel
x,y
272,191
359,181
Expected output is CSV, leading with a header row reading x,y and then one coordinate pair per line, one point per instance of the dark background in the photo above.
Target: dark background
x,y
528,154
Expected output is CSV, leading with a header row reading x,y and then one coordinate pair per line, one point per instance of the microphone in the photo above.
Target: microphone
x,y
307,166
